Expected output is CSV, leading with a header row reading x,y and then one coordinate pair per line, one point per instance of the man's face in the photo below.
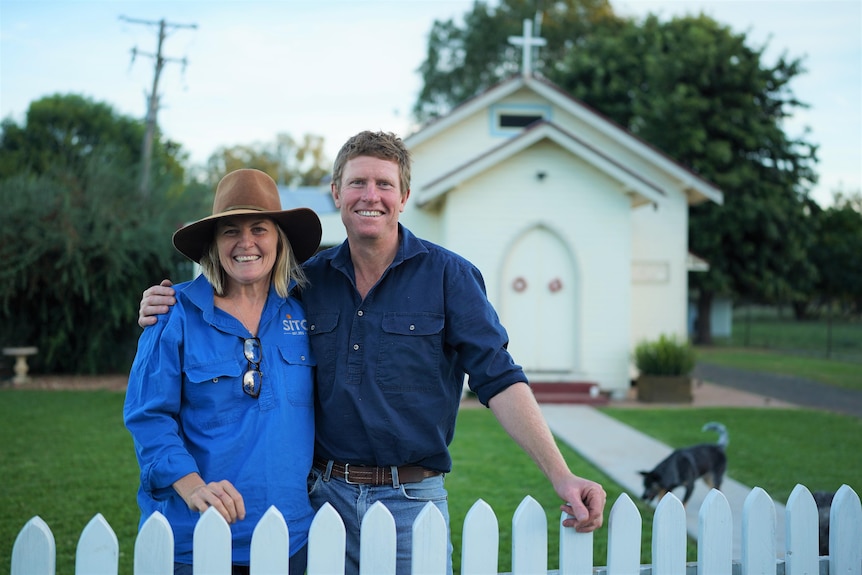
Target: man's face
x,y
370,198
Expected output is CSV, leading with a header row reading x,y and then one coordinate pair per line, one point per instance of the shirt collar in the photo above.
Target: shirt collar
x,y
199,293
408,246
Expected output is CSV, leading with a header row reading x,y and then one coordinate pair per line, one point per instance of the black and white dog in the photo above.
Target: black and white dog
x,y
685,465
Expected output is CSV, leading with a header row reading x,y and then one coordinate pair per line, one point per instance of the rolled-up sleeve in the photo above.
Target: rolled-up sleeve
x,y
476,332
152,406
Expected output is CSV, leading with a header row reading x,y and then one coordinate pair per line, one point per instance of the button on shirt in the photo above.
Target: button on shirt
x,y
391,368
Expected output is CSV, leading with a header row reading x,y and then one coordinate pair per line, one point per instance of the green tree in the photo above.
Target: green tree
x,y
463,61
77,242
693,89
288,161
62,132
714,105
837,252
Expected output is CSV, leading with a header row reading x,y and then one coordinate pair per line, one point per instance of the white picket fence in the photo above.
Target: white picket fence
x,y
98,551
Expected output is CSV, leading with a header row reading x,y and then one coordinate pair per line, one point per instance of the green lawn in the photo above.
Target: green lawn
x,y
67,456
488,465
831,372
767,328
775,449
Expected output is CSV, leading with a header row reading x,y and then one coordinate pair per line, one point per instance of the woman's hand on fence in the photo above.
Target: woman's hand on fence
x,y
222,495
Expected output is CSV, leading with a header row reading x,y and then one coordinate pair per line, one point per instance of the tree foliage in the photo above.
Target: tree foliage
x,y
837,252
77,241
62,132
714,106
692,88
463,61
288,161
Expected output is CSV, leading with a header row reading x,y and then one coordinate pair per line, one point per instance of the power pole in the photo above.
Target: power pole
x,y
153,97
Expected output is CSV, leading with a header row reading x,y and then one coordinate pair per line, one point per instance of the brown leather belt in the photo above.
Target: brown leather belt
x,y
374,475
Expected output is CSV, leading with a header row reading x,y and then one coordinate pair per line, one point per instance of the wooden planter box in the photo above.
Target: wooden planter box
x,y
664,388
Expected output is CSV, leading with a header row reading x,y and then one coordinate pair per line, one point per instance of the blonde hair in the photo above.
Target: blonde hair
x,y
285,269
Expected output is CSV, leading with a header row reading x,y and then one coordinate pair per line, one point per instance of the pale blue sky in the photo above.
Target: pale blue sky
x,y
335,67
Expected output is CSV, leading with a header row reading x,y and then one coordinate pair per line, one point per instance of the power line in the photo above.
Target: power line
x,y
153,98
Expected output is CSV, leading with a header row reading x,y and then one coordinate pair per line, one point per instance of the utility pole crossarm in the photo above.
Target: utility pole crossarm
x,y
153,99
157,23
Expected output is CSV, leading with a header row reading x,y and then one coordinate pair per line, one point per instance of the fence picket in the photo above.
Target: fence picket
x,y
480,540
845,533
211,544
377,542
529,538
326,541
154,547
624,537
802,522
576,550
715,535
668,557
98,551
34,551
270,544
430,542
758,534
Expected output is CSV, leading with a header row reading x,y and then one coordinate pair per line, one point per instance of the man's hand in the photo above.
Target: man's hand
x,y
517,411
156,301
586,504
222,495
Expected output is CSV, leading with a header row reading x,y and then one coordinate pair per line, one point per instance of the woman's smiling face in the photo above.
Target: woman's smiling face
x,y
247,247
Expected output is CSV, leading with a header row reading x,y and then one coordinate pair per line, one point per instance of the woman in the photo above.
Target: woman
x,y
220,398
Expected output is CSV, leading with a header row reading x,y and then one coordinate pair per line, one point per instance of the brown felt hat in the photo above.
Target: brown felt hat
x,y
249,191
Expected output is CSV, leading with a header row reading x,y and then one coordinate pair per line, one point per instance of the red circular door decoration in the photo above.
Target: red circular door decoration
x,y
520,284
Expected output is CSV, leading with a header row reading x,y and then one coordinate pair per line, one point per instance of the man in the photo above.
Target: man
x,y
395,323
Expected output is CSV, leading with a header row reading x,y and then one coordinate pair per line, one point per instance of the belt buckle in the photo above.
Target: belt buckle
x,y
347,475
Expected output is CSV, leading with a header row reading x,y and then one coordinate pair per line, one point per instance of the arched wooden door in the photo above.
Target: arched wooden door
x,y
540,295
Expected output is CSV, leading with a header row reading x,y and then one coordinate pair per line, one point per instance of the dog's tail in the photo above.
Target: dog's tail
x,y
723,437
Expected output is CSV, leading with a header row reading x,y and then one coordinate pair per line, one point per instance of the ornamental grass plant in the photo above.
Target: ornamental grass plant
x,y
665,356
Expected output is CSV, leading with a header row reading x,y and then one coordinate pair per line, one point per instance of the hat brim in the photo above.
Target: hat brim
x,y
301,225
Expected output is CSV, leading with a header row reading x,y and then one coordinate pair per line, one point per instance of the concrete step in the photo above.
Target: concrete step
x,y
569,392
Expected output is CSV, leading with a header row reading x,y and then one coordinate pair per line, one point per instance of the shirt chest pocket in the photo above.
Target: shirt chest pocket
x,y
297,374
213,372
213,389
321,332
410,348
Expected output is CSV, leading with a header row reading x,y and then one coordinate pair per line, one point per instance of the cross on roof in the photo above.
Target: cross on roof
x,y
527,42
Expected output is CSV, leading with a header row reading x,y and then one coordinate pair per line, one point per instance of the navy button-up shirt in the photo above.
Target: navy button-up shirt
x,y
390,368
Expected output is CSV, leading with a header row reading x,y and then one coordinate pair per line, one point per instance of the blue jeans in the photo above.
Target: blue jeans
x,y
404,503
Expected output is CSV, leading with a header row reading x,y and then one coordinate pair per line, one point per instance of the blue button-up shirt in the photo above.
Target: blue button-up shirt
x,y
187,413
391,367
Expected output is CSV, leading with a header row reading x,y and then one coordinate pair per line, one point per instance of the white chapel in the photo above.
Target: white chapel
x,y
579,228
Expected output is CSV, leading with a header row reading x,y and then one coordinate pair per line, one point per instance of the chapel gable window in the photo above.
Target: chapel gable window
x,y
509,120
518,120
